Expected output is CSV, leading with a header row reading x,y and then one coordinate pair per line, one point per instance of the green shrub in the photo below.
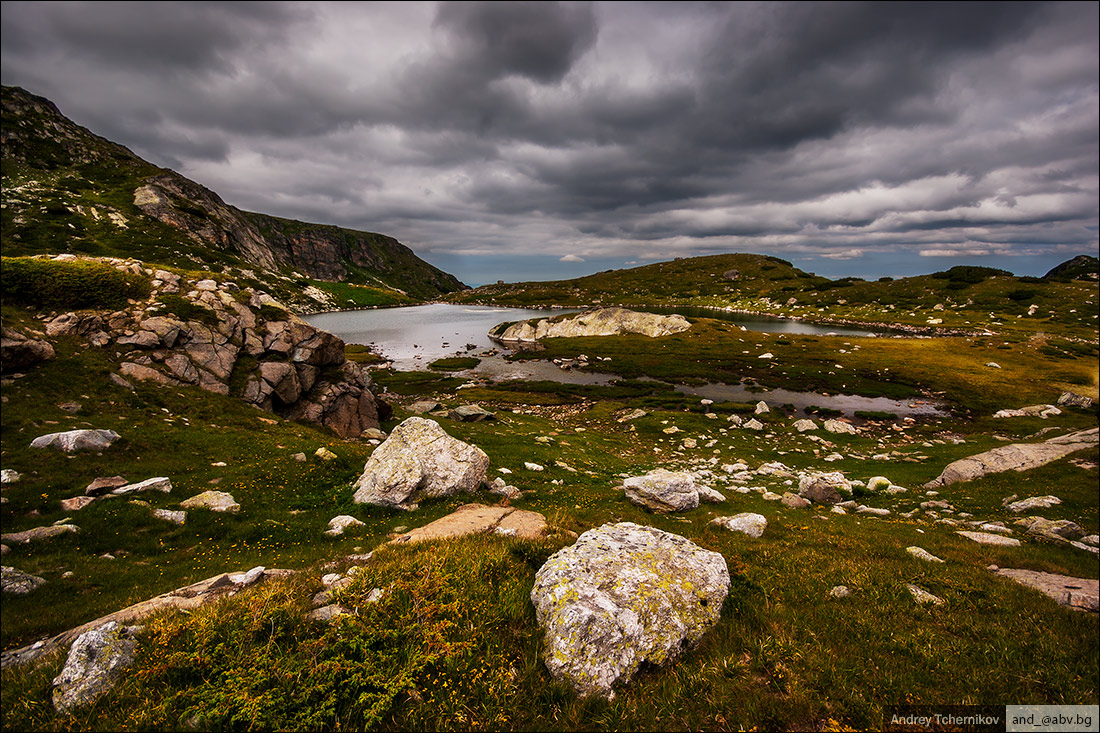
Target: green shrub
x,y
74,284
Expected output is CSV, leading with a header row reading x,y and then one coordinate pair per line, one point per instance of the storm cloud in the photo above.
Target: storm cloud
x,y
535,139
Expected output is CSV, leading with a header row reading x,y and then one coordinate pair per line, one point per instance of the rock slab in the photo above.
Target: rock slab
x,y
624,594
1015,457
73,440
1081,593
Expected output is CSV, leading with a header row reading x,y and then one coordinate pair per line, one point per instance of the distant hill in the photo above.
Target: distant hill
x,y
683,280
963,297
69,190
1081,267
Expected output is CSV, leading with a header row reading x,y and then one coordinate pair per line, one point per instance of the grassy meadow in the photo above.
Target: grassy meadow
x,y
453,643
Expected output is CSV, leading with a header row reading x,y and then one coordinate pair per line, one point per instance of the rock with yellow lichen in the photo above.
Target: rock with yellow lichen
x,y
624,594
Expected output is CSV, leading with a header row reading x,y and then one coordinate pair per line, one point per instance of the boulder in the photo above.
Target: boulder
x,y
215,501
599,322
419,461
96,660
1014,457
823,488
471,413
17,582
747,523
662,491
74,440
9,476
804,425
622,595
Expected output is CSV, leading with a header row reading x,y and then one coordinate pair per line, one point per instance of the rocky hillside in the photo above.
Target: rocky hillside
x,y
69,190
181,329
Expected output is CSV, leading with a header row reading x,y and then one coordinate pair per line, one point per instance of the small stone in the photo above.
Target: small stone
x,y
17,582
76,503
103,485
325,454
338,525
840,591
922,554
747,523
217,501
920,595
160,483
171,515
533,466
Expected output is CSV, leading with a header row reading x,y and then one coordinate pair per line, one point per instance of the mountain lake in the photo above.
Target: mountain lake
x,y
414,336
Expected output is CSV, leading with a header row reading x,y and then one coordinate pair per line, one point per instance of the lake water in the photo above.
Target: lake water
x,y
414,336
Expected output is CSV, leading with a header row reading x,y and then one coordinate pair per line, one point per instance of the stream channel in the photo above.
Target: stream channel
x,y
412,337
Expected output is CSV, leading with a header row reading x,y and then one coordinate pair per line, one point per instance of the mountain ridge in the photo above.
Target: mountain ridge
x,y
101,198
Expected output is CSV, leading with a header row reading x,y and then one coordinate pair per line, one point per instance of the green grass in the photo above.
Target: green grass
x,y
453,645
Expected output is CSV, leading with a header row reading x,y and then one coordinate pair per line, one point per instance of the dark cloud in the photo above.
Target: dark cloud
x,y
537,40
605,130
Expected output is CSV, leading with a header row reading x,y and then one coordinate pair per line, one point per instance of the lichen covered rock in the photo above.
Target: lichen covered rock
x,y
663,491
624,594
419,461
96,660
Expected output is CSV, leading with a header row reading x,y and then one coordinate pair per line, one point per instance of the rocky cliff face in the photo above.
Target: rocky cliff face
x,y
231,341
55,169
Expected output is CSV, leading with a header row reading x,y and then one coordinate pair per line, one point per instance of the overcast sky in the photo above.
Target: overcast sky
x,y
543,140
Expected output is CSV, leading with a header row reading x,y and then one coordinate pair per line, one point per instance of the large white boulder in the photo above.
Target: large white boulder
x,y
624,594
419,461
599,322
